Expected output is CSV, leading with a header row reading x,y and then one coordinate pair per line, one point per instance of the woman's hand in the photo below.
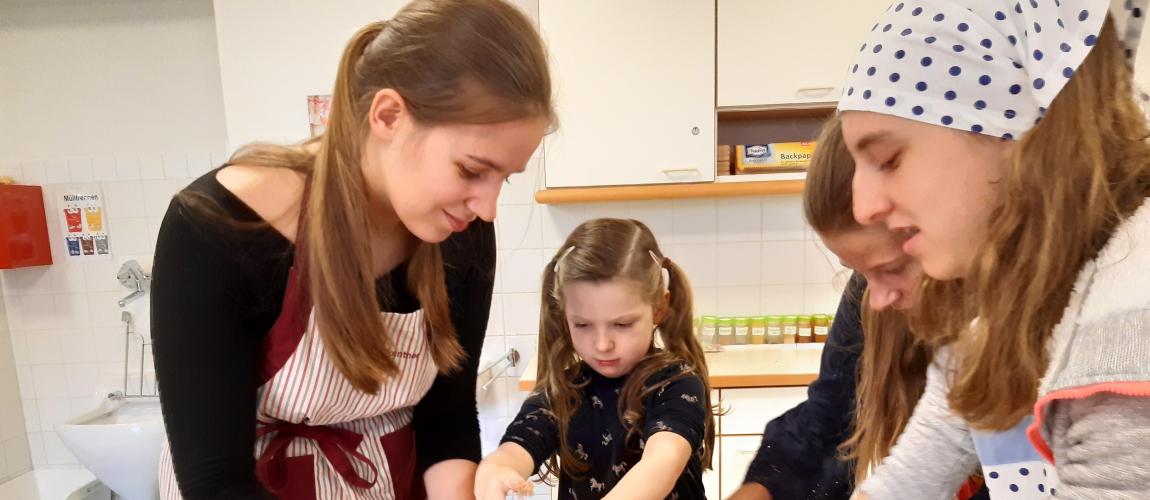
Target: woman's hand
x,y
751,491
502,472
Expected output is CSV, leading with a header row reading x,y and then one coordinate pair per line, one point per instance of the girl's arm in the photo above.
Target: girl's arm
x,y
531,439
934,454
505,469
664,457
1101,446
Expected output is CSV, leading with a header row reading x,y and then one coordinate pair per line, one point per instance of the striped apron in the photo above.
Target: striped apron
x,y
317,436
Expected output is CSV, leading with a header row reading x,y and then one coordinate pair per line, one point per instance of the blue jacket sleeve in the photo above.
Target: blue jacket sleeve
x,y
797,457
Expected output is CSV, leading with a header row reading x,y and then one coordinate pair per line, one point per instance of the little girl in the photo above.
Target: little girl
x,y
613,416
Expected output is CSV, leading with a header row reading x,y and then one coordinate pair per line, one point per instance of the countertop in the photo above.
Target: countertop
x,y
745,366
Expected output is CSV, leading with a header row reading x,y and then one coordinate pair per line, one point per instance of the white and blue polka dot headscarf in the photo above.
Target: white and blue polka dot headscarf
x,y
987,66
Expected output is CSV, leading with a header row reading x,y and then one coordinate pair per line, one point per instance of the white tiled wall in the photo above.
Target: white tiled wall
x,y
744,256
66,334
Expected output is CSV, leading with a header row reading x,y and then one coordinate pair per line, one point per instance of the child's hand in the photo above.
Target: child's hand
x,y
495,481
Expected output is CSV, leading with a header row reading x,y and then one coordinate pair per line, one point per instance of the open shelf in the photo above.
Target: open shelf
x,y
735,126
725,187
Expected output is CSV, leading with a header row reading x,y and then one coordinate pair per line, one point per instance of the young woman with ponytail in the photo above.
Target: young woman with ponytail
x,y
622,408
318,308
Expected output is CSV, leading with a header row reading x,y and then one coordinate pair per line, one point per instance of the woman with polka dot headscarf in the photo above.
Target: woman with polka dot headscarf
x,y
1004,139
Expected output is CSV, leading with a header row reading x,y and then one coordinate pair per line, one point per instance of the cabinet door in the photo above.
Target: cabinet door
x,y
773,52
737,452
749,410
635,91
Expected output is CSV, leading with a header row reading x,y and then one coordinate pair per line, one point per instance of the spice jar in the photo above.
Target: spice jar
x,y
821,327
791,330
726,331
774,329
759,330
708,329
806,328
742,330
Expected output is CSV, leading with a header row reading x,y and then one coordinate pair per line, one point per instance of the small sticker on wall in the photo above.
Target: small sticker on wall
x,y
318,109
83,221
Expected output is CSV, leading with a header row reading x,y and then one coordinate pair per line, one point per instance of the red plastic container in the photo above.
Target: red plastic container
x,y
23,228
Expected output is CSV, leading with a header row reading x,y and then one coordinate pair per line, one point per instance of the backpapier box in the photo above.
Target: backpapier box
x,y
751,158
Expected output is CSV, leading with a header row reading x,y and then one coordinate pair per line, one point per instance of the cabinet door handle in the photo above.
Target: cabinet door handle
x,y
680,172
743,451
816,90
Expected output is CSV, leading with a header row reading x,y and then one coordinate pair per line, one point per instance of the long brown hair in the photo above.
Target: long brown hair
x,y
600,250
1070,181
892,366
452,61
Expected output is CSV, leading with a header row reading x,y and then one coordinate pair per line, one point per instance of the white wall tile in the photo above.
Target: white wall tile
x,y
739,263
821,298
55,452
20,355
518,227
130,236
27,386
521,313
36,312
100,276
493,349
699,261
104,169
11,169
81,380
27,281
34,172
606,210
151,166
495,316
80,170
36,449
158,195
67,277
56,172
782,299
557,222
72,310
50,382
783,262
175,165
783,219
492,402
659,217
820,265
522,270
125,199
127,168
31,415
738,301
740,219
199,163
77,346
43,347
53,410
705,301
695,221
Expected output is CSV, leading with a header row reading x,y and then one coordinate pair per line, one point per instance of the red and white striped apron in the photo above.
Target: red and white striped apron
x,y
319,437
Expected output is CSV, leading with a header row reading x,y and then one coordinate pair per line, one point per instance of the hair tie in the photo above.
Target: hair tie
x,y
562,256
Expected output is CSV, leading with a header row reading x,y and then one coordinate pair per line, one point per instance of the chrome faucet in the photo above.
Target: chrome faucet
x,y
133,277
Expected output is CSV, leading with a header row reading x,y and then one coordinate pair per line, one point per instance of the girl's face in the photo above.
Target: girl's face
x,y
611,326
934,185
437,179
893,277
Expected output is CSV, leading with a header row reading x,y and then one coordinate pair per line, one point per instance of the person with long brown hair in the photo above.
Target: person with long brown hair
x,y
873,369
622,407
318,308
1008,145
